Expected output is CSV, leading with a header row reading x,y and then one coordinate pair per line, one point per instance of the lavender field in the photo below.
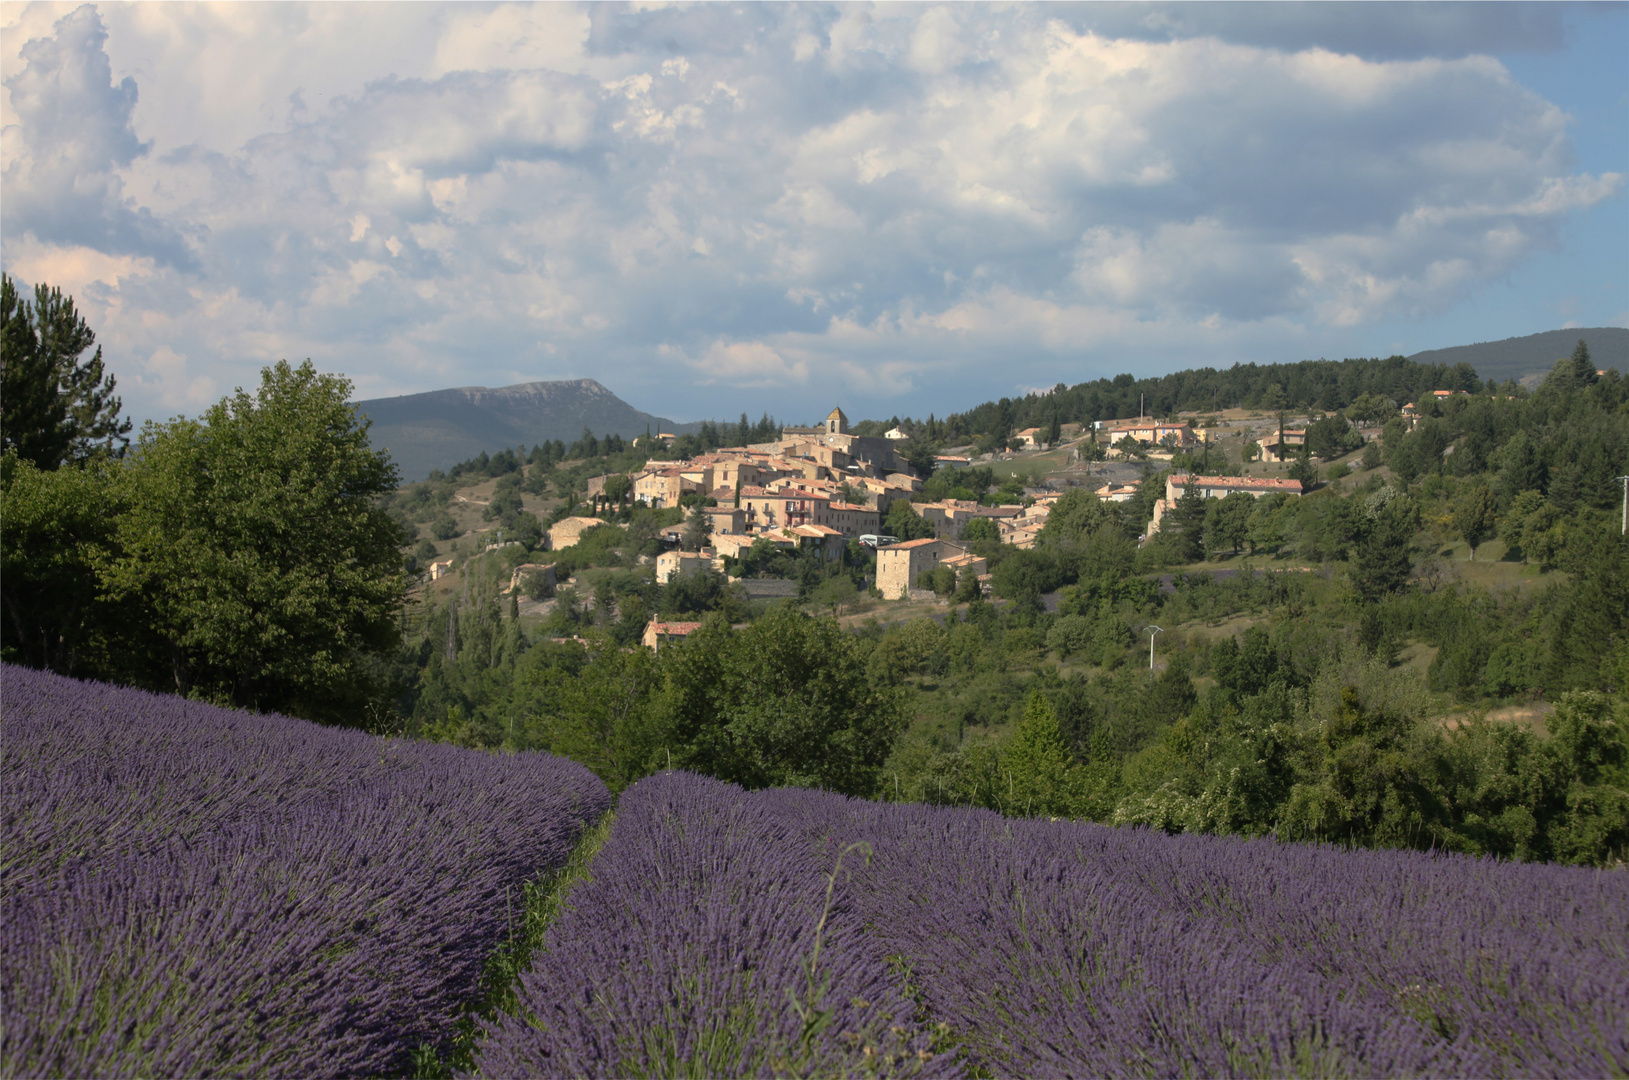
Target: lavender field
x,y
705,946
188,890
1027,948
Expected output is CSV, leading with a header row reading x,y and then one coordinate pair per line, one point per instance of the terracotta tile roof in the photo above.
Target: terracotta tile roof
x,y
909,544
677,629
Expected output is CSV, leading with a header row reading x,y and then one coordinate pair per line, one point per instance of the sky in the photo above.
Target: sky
x,y
721,208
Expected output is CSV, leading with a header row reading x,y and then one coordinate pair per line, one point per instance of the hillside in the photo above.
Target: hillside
x,y
1534,354
437,429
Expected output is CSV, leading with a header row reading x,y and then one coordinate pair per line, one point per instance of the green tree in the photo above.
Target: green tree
x,y
618,487
784,702
1054,430
1383,556
1371,409
968,588
921,454
1473,516
58,530
605,715
1182,528
903,521
1037,763
981,532
1513,526
1578,370
253,539
698,529
1332,437
1227,522
55,406
1592,616
1076,515
1303,470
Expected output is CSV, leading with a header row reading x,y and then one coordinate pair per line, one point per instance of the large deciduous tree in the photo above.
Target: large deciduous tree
x,y
785,701
58,530
254,539
1473,515
56,406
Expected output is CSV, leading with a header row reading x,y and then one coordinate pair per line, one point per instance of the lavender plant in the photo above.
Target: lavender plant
x,y
190,890
1055,948
710,941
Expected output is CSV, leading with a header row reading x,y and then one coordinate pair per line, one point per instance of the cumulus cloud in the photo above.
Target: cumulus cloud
x,y
890,201
74,134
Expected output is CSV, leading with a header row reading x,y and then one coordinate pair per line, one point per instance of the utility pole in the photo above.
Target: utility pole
x,y
1624,529
1152,630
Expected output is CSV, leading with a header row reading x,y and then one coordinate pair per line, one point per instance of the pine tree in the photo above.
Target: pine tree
x,y
1583,368
1036,761
54,407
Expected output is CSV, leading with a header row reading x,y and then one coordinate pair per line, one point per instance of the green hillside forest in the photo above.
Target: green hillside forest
x,y
1428,650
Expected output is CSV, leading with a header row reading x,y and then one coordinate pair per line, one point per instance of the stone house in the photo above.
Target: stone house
x,y
899,565
776,510
828,542
672,564
726,520
948,517
853,520
734,545
658,634
1151,432
567,531
1113,493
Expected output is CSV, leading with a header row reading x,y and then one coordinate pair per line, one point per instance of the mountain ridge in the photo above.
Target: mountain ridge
x,y
1534,354
435,429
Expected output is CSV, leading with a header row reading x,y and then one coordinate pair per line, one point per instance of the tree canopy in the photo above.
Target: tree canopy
x,y
56,405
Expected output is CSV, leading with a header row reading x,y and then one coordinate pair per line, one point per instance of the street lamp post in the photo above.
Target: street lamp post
x,y
1152,630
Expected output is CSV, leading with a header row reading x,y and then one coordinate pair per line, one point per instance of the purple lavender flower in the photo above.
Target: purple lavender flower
x,y
189,890
703,945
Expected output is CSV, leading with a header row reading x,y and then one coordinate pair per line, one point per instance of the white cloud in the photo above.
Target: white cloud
x,y
899,199
748,363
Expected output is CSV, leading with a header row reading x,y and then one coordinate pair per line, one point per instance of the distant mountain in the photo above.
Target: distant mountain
x,y
1535,354
443,427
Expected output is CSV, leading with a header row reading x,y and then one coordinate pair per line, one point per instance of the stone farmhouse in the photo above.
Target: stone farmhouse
x,y
658,634
567,531
1150,432
672,564
900,565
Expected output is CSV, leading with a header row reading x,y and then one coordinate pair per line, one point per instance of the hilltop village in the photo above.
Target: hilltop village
x,y
814,491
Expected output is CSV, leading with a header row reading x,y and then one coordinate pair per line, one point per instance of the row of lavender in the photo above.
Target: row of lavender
x,y
1057,948
1060,949
187,890
711,940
